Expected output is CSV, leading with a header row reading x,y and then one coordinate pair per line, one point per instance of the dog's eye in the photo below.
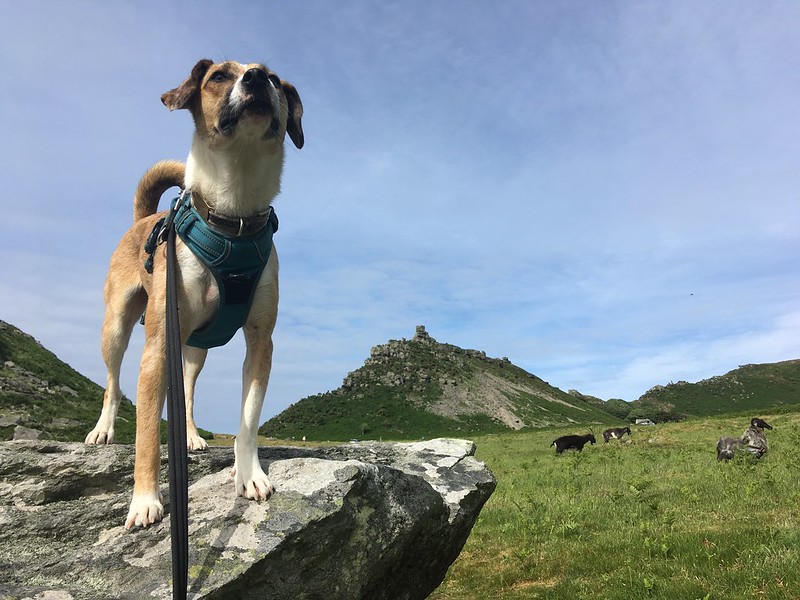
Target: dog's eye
x,y
275,80
219,76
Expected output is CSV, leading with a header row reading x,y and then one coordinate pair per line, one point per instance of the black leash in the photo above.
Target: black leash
x,y
176,416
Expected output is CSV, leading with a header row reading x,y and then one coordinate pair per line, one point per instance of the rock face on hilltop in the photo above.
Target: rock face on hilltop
x,y
447,370
423,388
371,521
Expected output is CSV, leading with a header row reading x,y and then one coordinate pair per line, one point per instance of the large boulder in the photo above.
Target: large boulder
x,y
366,520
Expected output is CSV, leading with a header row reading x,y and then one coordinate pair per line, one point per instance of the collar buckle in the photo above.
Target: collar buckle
x,y
231,226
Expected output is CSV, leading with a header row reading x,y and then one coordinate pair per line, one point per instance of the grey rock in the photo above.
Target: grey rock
x,y
9,420
365,520
25,433
61,422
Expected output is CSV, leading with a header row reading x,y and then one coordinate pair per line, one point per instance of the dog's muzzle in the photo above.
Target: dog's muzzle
x,y
256,98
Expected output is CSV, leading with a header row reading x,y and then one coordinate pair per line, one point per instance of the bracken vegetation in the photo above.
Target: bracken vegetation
x,y
651,516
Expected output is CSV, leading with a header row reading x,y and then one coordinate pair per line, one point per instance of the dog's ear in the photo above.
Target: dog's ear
x,y
182,95
293,125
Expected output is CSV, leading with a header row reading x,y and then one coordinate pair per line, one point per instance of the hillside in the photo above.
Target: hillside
x,y
422,388
406,389
38,391
753,388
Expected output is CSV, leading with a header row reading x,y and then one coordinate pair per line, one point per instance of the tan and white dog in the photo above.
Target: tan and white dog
x,y
242,114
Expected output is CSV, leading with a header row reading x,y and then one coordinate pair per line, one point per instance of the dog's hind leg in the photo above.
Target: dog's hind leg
x,y
193,361
123,309
146,507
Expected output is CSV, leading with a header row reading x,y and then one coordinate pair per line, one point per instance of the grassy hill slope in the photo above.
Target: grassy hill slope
x,y
754,388
421,388
39,391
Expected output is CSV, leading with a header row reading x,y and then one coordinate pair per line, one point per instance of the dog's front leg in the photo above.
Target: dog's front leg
x,y
251,481
146,507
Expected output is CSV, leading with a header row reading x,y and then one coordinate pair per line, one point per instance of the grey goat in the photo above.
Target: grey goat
x,y
753,441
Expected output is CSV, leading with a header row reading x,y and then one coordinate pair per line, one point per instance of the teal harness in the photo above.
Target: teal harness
x,y
236,261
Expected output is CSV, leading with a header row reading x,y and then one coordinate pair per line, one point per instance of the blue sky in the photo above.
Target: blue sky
x,y
604,192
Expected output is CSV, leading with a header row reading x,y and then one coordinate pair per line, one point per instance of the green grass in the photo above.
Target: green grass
x,y
655,516
383,414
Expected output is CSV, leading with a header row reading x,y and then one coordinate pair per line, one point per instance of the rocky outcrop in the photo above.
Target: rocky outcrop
x,y
367,520
420,387
450,364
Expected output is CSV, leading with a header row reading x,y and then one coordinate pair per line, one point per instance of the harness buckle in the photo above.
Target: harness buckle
x,y
170,219
160,232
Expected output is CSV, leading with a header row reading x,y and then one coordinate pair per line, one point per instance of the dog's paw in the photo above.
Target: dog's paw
x,y
195,443
144,511
256,486
100,437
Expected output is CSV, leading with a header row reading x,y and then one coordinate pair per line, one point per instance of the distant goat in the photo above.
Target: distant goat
x,y
615,433
753,441
573,442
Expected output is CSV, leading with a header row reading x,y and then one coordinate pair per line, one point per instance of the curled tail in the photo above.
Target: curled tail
x,y
157,180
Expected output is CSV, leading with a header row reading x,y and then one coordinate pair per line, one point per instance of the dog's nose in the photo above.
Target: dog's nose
x,y
254,77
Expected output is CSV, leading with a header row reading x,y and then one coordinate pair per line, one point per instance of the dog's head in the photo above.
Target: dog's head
x,y
229,99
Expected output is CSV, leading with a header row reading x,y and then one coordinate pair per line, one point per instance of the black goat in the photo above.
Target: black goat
x,y
573,442
615,433
753,441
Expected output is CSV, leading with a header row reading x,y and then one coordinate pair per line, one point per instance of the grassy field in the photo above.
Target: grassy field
x,y
655,516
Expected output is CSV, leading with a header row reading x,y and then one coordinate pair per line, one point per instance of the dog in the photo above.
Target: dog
x,y
242,114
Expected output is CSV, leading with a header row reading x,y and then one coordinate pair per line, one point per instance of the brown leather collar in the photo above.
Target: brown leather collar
x,y
227,225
